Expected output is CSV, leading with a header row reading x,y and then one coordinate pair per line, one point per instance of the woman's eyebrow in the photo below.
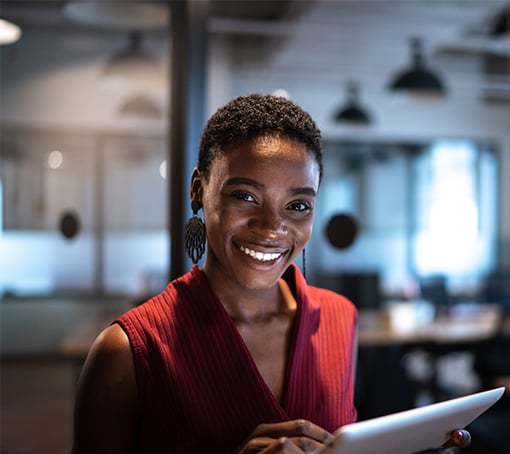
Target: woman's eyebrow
x,y
305,190
245,181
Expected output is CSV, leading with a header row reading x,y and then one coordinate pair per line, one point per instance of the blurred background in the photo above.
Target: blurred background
x,y
102,106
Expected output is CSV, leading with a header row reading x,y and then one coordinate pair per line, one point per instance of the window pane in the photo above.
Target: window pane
x,y
455,210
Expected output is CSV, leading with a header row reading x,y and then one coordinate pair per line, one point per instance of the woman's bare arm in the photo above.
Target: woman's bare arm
x,y
105,419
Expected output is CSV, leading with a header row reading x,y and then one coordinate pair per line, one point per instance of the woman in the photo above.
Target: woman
x,y
240,355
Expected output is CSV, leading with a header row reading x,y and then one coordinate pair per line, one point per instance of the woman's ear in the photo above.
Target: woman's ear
x,y
196,188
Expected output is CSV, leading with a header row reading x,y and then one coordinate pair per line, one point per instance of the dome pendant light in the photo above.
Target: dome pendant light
x,y
418,80
352,112
134,67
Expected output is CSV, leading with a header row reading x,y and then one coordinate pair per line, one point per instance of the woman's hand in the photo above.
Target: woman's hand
x,y
459,439
296,436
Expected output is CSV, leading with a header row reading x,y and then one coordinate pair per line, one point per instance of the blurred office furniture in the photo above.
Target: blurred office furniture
x,y
496,288
388,334
464,324
363,288
434,288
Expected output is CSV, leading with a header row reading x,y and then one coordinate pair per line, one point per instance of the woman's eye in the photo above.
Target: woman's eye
x,y
243,196
300,206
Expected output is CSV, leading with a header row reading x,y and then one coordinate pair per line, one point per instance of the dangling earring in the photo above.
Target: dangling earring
x,y
304,263
195,234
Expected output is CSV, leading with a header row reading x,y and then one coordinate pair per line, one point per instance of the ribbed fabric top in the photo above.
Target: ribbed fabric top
x,y
198,386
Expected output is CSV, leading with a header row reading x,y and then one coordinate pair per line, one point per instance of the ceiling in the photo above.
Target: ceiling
x,y
337,41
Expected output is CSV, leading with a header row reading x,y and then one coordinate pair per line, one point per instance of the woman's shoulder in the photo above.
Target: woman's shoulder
x,y
112,339
326,297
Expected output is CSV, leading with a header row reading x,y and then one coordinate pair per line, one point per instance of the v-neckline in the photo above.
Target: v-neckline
x,y
243,349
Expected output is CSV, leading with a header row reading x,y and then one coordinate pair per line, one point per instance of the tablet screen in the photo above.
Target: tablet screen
x,y
413,430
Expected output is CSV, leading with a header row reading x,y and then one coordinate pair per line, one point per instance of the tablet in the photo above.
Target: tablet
x,y
410,431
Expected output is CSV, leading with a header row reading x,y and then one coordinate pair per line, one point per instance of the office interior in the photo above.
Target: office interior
x,y
413,217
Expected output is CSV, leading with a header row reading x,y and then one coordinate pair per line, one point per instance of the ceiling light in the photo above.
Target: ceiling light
x,y
134,67
418,79
9,32
352,112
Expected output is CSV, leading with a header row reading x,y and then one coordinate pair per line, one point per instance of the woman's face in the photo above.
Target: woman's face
x,y
258,210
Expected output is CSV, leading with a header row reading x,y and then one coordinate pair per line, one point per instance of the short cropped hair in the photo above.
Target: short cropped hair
x,y
249,117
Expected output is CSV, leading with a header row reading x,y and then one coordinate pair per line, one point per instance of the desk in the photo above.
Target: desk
x,y
382,346
463,324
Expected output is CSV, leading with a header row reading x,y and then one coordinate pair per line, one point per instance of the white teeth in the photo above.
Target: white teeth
x,y
260,255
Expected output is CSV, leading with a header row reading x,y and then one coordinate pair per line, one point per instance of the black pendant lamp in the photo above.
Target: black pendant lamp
x,y
418,79
352,112
501,23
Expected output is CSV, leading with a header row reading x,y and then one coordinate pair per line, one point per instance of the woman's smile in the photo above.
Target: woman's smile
x,y
259,255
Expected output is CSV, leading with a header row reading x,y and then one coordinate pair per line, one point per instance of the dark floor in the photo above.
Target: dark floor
x,y
36,406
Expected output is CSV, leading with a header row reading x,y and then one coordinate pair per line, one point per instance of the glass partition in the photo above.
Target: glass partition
x,y
82,213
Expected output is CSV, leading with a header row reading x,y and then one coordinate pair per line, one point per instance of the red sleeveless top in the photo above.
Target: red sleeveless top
x,y
199,389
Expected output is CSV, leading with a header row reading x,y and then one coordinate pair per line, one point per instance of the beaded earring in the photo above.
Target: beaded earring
x,y
195,234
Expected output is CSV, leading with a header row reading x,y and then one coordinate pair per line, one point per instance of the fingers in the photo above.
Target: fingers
x,y
295,436
284,445
294,429
460,438
279,445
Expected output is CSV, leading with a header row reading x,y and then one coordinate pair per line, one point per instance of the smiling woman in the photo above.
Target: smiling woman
x,y
240,355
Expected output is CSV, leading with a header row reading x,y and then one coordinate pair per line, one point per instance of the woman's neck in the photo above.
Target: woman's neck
x,y
256,305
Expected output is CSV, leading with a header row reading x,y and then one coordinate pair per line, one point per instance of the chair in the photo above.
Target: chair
x,y
434,289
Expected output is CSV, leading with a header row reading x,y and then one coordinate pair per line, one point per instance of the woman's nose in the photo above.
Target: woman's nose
x,y
268,223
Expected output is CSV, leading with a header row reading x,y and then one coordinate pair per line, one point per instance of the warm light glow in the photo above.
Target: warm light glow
x,y
162,169
55,159
9,32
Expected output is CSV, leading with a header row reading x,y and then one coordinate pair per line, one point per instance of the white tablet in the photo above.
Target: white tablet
x,y
413,430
